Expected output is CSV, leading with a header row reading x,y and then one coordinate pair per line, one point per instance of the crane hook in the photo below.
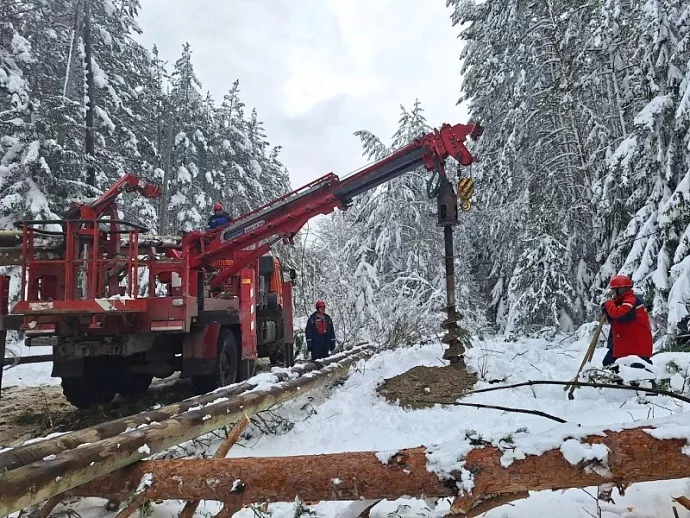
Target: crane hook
x,y
465,192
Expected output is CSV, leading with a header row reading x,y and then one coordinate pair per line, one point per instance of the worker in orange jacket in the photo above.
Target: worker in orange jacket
x,y
631,333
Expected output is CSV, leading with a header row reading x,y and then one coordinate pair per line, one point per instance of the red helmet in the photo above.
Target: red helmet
x,y
620,281
320,304
217,206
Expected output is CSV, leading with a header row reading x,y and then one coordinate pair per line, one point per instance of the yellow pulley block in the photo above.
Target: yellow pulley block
x,y
465,192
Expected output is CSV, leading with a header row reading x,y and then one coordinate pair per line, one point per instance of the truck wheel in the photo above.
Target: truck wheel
x,y
133,384
277,356
84,392
225,371
247,368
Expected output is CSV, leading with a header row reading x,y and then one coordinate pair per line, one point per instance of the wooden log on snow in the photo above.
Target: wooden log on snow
x,y
23,455
190,507
633,456
76,467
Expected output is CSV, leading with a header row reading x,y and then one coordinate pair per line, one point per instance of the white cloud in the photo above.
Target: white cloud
x,y
318,70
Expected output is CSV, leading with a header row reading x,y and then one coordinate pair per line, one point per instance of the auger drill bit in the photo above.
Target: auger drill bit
x,y
448,218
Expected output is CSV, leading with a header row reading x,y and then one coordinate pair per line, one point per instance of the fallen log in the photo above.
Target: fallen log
x,y
23,455
633,456
190,507
73,468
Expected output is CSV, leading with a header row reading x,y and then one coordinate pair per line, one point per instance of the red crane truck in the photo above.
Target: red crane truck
x,y
119,310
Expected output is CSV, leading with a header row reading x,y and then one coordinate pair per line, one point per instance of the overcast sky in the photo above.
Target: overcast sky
x,y
318,70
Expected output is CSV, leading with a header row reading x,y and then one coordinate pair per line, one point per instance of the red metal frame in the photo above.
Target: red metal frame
x,y
60,296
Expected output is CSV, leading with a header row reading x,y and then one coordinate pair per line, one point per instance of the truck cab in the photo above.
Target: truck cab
x,y
270,308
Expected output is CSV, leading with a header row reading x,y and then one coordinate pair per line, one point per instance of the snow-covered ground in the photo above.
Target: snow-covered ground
x,y
352,417
30,374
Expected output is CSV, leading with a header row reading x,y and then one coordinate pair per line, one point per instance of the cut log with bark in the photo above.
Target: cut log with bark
x,y
633,456
190,507
17,457
76,467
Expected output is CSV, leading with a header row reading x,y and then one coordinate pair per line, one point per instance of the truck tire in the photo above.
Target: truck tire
x,y
226,367
282,355
277,355
247,368
86,392
133,384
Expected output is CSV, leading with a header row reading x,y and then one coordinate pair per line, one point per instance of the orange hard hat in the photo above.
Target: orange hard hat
x,y
620,281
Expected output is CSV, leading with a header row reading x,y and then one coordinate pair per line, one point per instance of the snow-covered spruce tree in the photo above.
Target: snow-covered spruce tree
x,y
188,196
584,149
649,168
26,180
495,85
57,76
390,240
232,148
151,108
218,154
519,75
121,68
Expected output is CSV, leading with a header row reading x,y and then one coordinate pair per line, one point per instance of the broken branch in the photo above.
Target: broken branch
x,y
583,384
190,507
512,410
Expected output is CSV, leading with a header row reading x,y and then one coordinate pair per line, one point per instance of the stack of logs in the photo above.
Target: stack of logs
x,y
57,467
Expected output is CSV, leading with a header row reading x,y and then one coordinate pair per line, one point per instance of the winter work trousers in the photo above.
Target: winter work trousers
x,y
609,360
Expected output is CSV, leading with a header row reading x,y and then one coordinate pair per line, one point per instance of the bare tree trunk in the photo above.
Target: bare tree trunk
x,y
163,210
91,100
633,456
71,70
619,101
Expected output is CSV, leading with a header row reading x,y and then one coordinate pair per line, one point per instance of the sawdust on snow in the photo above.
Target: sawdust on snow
x,y
424,387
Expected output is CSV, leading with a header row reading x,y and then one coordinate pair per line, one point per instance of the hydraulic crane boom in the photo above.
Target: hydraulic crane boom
x,y
252,235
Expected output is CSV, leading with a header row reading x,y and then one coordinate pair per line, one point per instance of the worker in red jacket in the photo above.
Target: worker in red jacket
x,y
631,333
320,333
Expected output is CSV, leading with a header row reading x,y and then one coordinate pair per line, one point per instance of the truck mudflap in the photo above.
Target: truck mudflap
x,y
199,350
